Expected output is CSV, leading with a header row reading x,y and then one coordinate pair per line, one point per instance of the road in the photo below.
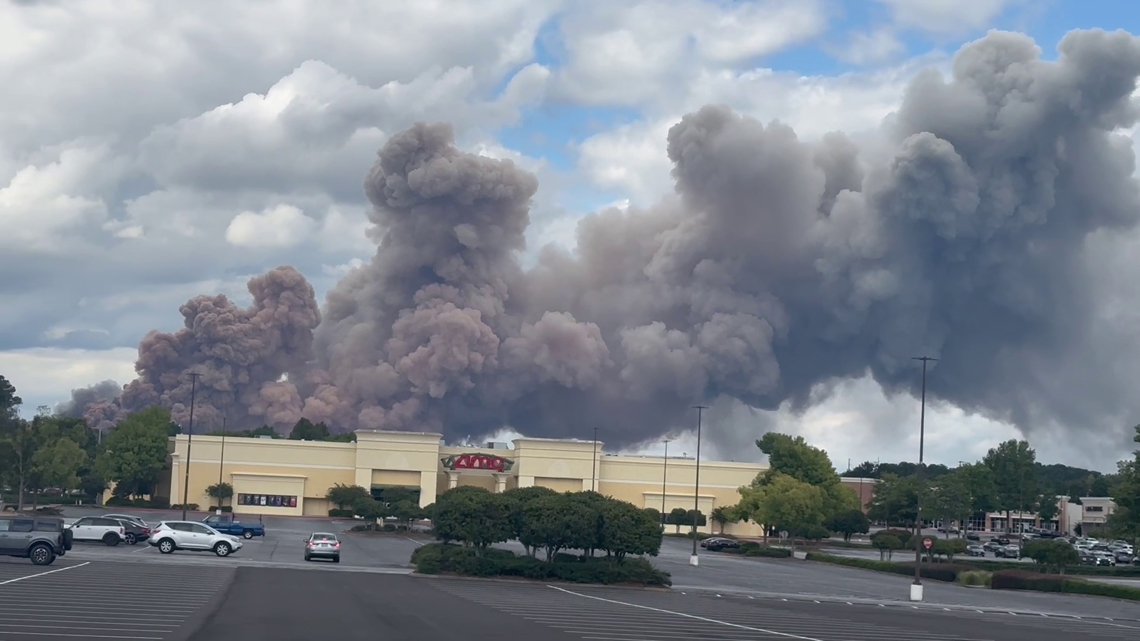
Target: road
x,y
164,601
389,553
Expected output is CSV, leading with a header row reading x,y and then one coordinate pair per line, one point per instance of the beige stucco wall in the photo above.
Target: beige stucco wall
x,y
308,469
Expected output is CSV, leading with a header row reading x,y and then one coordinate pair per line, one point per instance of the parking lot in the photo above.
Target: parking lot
x,y
74,599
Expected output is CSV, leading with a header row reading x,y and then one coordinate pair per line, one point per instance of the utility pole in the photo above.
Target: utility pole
x,y
916,588
594,470
189,437
697,486
664,477
222,461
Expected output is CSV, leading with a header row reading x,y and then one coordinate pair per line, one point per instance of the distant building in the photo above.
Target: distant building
x,y
864,489
1089,515
286,477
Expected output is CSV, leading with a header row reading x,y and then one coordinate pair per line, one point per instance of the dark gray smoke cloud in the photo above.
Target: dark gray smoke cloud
x,y
779,265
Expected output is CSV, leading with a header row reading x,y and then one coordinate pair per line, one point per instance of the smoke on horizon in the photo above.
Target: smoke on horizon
x,y
779,265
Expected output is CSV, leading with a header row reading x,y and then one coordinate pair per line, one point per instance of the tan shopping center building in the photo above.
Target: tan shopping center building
x,y
285,477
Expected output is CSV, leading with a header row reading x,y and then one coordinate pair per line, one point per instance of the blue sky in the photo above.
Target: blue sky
x,y
97,187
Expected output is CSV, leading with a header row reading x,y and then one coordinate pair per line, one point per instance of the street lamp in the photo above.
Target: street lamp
x,y
222,462
697,486
189,437
594,469
916,587
664,476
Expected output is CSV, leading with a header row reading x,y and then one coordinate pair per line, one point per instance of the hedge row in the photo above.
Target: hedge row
x,y
441,558
752,548
937,571
1081,570
1018,580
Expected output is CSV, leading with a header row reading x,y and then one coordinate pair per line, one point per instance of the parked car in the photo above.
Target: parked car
x,y
1008,552
712,540
39,538
975,550
322,545
98,528
723,544
169,536
227,524
992,545
1104,558
132,531
973,536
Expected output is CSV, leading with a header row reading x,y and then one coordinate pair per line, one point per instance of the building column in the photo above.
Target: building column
x,y
428,490
452,480
501,483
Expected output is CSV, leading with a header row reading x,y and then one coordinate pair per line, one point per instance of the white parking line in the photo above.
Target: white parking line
x,y
32,576
419,543
687,616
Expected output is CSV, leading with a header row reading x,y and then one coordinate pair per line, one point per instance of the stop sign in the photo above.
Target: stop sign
x,y
926,543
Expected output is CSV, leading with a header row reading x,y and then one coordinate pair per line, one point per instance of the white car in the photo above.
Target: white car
x,y
169,536
97,528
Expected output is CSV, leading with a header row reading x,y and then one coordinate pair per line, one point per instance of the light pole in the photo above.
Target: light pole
x,y
916,588
189,437
697,486
664,477
221,462
594,470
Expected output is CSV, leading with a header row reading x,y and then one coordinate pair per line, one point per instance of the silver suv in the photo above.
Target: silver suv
x,y
39,538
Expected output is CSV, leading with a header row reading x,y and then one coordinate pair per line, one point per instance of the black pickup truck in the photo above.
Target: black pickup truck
x,y
39,538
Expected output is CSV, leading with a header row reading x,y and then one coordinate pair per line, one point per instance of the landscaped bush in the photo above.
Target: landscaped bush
x,y
752,548
903,536
157,503
340,513
700,536
975,578
438,558
1018,580
192,507
937,571
224,508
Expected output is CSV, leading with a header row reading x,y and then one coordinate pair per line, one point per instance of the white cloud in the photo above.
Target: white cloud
x,y
947,16
44,376
638,53
872,47
280,226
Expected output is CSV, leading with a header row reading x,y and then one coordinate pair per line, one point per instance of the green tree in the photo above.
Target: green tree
x,y
848,523
1013,464
723,515
57,464
895,499
518,498
133,454
220,491
372,511
678,516
347,497
792,456
472,516
1052,554
9,402
784,503
951,500
1047,507
886,545
1125,519
406,512
627,529
18,448
306,430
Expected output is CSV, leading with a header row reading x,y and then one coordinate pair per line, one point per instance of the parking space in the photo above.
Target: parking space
x,y
635,615
91,600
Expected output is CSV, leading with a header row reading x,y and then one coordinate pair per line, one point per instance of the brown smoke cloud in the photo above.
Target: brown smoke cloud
x,y
778,266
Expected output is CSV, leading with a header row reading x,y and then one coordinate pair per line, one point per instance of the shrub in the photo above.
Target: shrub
x,y
388,527
1019,580
903,536
769,552
437,558
937,571
340,513
192,507
159,502
975,578
224,508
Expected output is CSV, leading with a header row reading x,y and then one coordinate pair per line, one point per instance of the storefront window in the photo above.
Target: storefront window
x,y
268,500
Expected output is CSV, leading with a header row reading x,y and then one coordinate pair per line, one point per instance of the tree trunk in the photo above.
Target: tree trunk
x,y
20,493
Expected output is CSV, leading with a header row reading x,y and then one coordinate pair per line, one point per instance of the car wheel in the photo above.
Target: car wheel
x,y
222,549
308,558
111,540
166,546
336,559
131,540
247,534
41,555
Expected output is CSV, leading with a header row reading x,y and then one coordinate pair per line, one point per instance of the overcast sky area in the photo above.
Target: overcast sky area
x,y
154,151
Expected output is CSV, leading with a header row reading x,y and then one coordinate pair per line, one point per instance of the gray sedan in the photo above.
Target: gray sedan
x,y
322,545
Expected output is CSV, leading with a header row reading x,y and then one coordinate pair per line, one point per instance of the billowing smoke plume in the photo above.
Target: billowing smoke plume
x,y
778,266
95,404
